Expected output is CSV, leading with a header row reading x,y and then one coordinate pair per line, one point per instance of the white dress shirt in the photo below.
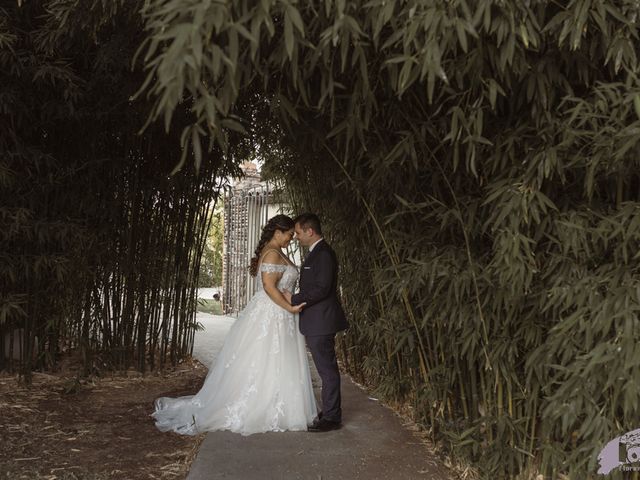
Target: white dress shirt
x,y
315,243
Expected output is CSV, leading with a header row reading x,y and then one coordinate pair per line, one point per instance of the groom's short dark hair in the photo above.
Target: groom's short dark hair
x,y
309,220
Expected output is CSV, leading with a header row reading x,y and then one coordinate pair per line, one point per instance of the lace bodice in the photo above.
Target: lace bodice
x,y
288,279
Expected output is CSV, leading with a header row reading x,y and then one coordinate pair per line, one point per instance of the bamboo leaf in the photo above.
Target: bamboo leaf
x,y
288,34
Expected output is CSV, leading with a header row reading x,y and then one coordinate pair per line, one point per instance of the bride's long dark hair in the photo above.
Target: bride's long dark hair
x,y
279,222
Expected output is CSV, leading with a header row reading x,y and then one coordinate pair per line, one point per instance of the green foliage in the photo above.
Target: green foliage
x,y
213,307
210,274
476,167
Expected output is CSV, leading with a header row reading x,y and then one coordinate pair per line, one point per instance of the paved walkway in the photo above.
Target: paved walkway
x,y
371,445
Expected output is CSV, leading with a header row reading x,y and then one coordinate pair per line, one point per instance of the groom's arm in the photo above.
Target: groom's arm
x,y
319,286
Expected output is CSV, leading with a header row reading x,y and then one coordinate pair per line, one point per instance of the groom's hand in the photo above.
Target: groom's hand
x,y
287,295
297,308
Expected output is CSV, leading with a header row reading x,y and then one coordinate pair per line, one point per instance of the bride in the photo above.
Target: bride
x,y
260,380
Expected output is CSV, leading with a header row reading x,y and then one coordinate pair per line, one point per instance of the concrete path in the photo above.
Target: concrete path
x,y
208,342
372,444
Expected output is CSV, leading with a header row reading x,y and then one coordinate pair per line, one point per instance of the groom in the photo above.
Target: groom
x,y
322,316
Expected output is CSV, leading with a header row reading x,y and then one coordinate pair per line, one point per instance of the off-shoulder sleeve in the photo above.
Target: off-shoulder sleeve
x,y
272,268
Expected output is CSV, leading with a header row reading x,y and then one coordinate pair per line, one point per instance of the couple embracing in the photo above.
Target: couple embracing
x,y
260,381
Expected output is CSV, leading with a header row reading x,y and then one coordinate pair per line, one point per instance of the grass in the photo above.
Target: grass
x,y
210,306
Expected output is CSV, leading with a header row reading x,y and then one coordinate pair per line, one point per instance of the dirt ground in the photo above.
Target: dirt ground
x,y
94,429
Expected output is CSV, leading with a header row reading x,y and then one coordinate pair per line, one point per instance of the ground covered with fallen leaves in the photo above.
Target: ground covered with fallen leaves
x,y
63,427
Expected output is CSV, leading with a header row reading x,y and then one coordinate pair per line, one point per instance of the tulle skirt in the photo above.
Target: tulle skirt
x,y
260,381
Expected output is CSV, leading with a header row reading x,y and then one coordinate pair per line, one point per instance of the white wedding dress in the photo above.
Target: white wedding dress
x,y
260,381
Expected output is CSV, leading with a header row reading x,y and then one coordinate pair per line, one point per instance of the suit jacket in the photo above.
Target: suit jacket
x,y
323,314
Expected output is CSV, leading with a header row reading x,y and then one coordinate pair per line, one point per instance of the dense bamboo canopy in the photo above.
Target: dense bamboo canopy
x,y
476,167
100,246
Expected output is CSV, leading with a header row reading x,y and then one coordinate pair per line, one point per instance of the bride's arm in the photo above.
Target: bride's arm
x,y
269,281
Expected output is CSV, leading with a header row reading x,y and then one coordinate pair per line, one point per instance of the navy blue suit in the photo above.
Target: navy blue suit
x,y
320,320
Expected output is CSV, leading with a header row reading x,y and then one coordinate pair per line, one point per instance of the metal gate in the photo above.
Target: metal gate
x,y
246,211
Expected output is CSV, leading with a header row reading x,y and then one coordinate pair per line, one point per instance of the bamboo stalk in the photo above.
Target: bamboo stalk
x,y
425,368
463,396
467,245
499,395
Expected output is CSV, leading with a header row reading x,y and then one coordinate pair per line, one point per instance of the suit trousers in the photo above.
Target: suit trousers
x,y
323,351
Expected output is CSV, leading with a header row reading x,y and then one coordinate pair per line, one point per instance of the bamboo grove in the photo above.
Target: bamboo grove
x,y
476,168
100,243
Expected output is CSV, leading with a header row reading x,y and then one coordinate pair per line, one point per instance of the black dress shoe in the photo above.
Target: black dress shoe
x,y
324,425
317,419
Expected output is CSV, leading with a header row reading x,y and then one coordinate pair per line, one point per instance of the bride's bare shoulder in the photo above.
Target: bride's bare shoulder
x,y
272,257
